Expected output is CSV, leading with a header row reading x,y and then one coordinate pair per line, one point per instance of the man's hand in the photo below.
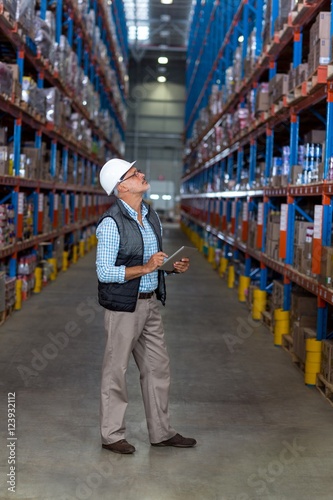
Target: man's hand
x,y
155,261
182,265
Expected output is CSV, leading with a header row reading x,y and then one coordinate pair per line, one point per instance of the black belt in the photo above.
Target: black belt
x,y
147,295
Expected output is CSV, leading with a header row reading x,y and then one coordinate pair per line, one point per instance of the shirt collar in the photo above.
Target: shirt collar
x,y
133,213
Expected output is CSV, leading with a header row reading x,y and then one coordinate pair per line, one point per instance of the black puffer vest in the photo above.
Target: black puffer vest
x,y
123,296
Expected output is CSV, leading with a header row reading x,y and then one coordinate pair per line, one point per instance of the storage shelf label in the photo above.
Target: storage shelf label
x,y
317,241
283,231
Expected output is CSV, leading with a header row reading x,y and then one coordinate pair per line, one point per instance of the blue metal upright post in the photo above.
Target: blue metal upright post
x,y
58,29
65,164
294,134
53,159
290,231
240,158
253,162
269,154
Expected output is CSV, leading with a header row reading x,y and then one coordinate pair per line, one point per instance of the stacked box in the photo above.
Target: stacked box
x,y
326,267
273,235
10,292
277,295
326,368
262,98
278,87
301,74
303,315
4,160
291,79
7,225
320,43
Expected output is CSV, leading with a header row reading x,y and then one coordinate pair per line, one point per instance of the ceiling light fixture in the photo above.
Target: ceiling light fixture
x,y
161,79
167,2
162,60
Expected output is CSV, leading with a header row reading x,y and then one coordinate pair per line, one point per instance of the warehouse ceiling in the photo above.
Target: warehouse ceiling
x,y
154,27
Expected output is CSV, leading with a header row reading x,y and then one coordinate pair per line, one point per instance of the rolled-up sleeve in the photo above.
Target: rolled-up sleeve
x,y
107,250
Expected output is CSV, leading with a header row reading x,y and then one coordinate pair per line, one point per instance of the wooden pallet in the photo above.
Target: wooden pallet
x,y
325,388
279,105
267,320
288,344
4,315
318,78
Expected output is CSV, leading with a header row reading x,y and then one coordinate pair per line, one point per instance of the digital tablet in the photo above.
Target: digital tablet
x,y
181,253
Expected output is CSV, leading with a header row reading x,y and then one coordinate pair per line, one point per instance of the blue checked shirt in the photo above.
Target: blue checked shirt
x,y
108,247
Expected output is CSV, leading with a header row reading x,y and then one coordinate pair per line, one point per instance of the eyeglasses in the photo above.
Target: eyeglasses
x,y
136,173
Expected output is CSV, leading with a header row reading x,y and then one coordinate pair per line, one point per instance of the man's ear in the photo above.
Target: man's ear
x,y
121,188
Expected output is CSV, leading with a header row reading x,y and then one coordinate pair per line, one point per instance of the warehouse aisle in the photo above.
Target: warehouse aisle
x,y
261,433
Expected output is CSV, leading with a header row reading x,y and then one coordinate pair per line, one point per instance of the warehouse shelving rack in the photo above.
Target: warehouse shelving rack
x,y
211,211
76,217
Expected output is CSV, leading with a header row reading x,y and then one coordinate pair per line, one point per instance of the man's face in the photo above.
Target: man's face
x,y
135,181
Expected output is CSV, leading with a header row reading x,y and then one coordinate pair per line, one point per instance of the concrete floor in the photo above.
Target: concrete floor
x,y
261,433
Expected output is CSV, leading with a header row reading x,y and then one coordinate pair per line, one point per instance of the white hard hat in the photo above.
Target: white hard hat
x,y
111,173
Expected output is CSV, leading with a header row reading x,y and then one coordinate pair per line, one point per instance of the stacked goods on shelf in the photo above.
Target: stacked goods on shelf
x,y
26,275
326,267
320,43
63,90
303,320
326,368
303,243
273,235
257,127
7,225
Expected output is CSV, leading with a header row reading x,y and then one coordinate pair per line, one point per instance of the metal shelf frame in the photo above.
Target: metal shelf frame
x,y
213,212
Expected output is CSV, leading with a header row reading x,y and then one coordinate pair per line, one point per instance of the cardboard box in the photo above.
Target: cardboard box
x,y
296,171
278,294
321,27
326,267
315,136
300,231
322,50
303,306
327,360
262,101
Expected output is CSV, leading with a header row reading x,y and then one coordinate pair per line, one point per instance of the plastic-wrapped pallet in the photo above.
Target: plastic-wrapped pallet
x,y
6,80
10,7
25,15
53,108
44,38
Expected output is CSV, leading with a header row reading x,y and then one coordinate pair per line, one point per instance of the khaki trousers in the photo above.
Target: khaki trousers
x,y
140,333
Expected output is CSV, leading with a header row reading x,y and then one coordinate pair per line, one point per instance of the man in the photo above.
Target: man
x,y
129,253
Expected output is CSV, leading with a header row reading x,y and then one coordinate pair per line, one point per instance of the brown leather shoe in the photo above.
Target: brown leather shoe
x,y
178,441
121,446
